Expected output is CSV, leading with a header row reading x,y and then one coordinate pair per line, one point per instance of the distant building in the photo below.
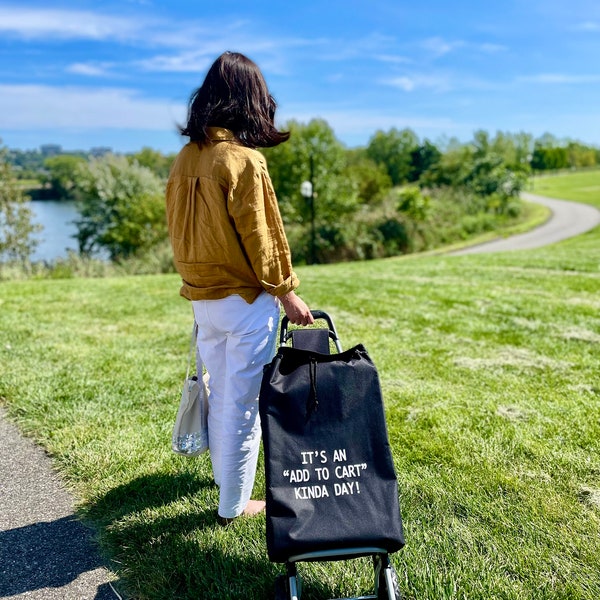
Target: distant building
x,y
50,150
100,151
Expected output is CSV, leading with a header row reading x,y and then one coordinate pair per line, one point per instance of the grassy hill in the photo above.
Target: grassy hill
x,y
490,367
582,186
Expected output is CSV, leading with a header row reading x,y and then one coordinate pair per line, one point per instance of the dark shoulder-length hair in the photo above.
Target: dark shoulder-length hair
x,y
234,95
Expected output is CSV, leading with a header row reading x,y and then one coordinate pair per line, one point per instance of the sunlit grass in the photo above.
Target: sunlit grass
x,y
490,367
582,186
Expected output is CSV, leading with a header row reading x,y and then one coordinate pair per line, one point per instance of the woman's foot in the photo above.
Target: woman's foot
x,y
253,508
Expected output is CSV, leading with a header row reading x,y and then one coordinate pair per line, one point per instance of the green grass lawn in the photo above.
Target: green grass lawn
x,y
490,367
582,186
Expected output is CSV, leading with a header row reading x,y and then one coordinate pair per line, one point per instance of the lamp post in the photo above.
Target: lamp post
x,y
308,192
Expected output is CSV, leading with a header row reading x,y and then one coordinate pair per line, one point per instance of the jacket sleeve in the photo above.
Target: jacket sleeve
x,y
252,205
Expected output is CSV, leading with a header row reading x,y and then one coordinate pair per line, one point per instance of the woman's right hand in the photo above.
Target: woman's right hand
x,y
296,309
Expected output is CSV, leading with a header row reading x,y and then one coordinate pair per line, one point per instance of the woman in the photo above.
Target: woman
x,y
233,257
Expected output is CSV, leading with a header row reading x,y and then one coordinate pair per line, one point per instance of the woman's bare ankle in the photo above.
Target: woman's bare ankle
x,y
254,507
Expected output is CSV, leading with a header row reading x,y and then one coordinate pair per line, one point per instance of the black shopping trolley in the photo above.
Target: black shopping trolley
x,y
331,487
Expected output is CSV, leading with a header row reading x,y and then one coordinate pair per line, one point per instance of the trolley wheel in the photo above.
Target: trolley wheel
x,y
281,588
383,590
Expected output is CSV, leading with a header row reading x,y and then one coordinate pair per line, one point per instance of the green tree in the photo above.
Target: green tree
x,y
515,149
27,163
394,150
490,177
548,158
480,170
158,163
413,203
313,154
17,229
453,168
423,158
62,172
580,155
371,180
548,140
121,207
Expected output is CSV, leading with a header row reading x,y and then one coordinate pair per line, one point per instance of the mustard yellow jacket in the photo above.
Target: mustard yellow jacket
x,y
224,222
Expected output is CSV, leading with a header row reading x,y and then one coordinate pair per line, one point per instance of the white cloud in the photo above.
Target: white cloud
x,y
90,69
560,78
351,48
410,83
187,62
26,107
588,26
77,110
492,48
357,126
439,47
57,23
43,24
393,59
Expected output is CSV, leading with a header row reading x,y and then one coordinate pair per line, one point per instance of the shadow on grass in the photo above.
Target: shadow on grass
x,y
147,492
162,536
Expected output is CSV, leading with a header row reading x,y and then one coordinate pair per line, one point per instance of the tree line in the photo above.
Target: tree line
x,y
398,194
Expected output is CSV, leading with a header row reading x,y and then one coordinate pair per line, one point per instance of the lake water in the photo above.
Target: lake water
x,y
58,228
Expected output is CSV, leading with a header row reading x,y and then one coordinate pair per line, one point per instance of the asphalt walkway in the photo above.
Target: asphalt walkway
x,y
46,553
568,220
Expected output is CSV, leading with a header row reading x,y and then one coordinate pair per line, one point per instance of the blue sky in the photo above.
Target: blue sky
x,y
119,74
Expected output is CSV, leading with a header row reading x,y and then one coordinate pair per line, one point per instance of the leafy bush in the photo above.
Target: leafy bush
x,y
121,207
409,220
17,241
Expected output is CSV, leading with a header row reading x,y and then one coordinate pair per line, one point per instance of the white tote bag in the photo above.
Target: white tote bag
x,y
190,432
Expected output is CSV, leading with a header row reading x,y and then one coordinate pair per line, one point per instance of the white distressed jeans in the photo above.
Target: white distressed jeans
x,y
235,341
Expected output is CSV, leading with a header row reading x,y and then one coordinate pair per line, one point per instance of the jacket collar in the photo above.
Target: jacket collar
x,y
220,134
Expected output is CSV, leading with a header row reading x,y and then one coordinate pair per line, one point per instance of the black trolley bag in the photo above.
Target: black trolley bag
x,y
331,487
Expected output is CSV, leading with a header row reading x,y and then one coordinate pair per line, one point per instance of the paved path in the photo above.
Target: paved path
x,y
45,551
568,219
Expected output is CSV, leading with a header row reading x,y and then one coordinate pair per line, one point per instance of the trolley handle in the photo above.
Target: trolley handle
x,y
317,314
